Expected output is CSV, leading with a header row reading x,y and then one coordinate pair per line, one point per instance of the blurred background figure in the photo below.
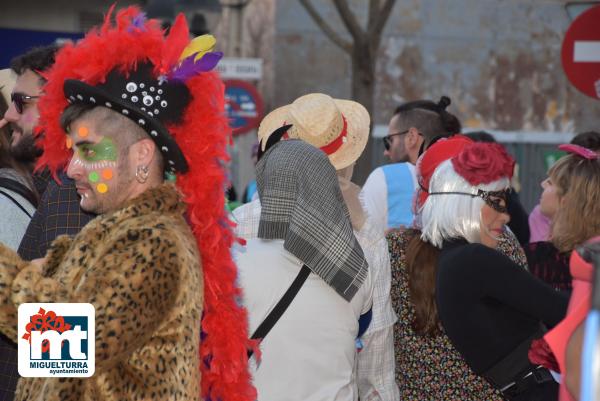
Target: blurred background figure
x,y
569,190
541,216
388,191
22,113
58,211
17,196
18,199
250,192
574,182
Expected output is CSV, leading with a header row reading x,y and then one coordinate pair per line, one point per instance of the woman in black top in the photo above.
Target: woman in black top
x,y
490,308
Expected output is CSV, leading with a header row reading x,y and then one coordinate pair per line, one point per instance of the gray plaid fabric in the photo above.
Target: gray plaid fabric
x,y
303,205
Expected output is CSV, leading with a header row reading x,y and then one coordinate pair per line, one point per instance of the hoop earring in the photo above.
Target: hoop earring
x,y
141,174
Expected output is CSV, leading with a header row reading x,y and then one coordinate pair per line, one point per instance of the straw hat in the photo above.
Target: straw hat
x,y
320,120
7,82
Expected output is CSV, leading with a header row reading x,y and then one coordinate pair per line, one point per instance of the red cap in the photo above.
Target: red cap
x,y
435,155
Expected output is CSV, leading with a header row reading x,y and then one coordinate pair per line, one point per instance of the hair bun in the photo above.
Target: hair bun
x,y
444,102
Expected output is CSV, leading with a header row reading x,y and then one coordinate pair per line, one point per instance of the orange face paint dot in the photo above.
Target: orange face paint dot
x,y
83,132
107,174
69,142
102,188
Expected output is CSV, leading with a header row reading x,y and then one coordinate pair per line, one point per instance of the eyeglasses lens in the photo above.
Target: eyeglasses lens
x,y
17,99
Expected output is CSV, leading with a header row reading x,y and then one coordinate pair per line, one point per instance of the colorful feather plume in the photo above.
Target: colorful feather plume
x,y
199,47
137,22
190,67
197,57
203,135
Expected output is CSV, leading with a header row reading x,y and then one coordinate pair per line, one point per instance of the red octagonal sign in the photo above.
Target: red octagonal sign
x,y
581,52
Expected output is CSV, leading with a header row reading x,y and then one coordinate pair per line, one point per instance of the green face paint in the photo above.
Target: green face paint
x,y
94,176
105,150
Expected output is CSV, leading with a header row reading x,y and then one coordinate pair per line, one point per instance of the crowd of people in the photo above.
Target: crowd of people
x,y
431,282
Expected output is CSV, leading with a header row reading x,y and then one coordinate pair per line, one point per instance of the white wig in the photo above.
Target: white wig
x,y
454,216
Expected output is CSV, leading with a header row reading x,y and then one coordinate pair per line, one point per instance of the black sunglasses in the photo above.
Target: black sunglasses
x,y
20,100
387,142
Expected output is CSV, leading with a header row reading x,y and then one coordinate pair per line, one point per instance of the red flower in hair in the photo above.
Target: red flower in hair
x,y
482,163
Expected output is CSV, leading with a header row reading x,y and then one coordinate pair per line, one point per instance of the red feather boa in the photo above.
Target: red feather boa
x,y
202,135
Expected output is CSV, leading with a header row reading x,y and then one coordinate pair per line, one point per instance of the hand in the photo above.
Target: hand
x,y
3,123
38,262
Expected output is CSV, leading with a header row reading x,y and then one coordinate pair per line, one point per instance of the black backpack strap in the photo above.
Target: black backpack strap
x,y
20,189
15,202
285,301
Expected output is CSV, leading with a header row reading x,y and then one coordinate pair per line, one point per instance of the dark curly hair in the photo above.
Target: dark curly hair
x,y
37,59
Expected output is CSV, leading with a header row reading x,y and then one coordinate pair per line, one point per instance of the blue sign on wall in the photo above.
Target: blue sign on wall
x,y
18,41
244,106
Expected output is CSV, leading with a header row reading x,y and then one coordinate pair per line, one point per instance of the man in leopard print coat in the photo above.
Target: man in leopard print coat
x,y
139,266
146,134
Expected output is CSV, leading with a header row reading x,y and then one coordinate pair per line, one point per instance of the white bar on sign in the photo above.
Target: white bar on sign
x,y
240,68
586,51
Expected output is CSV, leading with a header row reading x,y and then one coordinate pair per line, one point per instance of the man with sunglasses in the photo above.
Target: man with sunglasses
x,y
58,209
22,114
388,191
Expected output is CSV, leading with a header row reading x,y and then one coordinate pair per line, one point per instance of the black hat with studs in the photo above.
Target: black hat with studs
x,y
150,102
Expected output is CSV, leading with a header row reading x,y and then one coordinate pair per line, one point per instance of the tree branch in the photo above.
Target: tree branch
x,y
382,17
349,20
331,34
373,15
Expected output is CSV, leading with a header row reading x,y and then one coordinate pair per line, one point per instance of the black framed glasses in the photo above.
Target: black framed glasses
x,y
387,141
497,200
20,100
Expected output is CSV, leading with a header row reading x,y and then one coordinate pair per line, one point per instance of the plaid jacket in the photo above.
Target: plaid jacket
x,y
58,213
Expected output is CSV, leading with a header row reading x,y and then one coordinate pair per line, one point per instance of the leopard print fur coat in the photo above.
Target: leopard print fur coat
x,y
140,268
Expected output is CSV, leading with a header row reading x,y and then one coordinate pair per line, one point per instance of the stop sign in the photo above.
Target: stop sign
x,y
581,52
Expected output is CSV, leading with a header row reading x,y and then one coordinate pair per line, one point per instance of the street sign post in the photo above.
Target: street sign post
x,y
244,105
581,52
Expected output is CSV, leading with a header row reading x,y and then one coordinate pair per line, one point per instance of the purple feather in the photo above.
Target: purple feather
x,y
188,68
137,22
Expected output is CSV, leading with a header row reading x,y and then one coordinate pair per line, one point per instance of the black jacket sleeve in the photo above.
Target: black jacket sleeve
x,y
512,285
